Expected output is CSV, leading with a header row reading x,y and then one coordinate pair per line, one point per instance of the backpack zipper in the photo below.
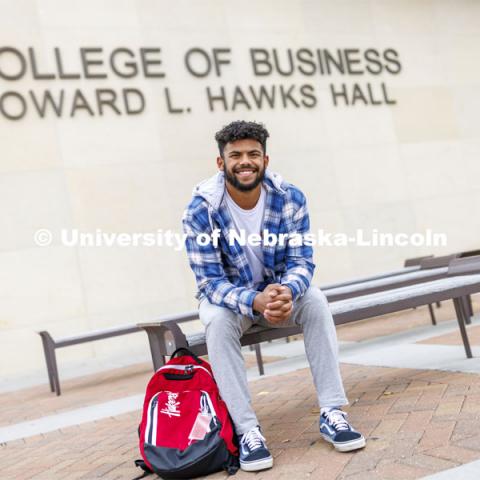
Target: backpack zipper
x,y
151,419
185,368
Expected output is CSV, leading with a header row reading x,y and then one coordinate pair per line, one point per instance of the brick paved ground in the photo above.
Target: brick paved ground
x,y
417,423
80,392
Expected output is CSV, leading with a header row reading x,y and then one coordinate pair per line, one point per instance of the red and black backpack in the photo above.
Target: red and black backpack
x,y
186,430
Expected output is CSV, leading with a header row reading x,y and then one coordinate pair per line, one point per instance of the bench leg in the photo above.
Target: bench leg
x,y
439,304
466,309
156,350
461,316
432,314
470,305
47,347
258,353
159,345
53,360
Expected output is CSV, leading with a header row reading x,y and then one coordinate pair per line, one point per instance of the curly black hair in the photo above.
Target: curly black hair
x,y
240,130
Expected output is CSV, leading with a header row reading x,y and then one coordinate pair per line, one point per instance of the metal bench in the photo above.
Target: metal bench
x,y
428,269
407,276
410,265
463,280
50,345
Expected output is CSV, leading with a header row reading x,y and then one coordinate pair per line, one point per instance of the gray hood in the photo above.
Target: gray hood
x,y
213,188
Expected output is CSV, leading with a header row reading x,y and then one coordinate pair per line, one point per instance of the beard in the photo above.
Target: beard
x,y
243,187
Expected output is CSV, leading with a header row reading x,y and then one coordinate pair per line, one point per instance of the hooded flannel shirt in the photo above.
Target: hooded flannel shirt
x,y
222,272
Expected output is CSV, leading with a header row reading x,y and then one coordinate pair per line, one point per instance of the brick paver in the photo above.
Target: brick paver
x,y
402,443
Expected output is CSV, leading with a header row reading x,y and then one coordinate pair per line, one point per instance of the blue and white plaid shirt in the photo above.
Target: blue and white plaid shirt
x,y
222,272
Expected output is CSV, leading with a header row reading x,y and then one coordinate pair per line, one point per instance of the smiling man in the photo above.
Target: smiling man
x,y
241,285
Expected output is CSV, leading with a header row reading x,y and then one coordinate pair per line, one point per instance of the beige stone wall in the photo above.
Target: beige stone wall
x,y
401,168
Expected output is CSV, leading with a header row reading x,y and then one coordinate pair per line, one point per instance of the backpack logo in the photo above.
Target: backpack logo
x,y
171,405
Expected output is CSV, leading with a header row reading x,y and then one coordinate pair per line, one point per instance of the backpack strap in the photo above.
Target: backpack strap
x,y
232,465
186,351
144,467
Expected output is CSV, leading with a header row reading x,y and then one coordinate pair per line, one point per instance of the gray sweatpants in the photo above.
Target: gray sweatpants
x,y
224,329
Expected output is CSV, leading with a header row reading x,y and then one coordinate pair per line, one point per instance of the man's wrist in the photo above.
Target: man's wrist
x,y
290,288
245,302
255,306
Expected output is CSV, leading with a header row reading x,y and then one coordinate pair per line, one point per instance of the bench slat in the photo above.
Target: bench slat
x,y
96,335
116,331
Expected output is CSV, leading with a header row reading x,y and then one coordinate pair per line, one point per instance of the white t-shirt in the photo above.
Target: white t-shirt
x,y
251,222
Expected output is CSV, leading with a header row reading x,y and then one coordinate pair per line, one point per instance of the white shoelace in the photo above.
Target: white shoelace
x,y
337,418
253,438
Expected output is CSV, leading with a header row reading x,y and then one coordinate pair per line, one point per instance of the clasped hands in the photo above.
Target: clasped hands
x,y
274,303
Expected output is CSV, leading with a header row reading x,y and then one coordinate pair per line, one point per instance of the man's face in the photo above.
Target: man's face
x,y
243,163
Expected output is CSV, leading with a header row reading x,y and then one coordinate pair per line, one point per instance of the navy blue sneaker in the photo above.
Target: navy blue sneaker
x,y
335,429
254,454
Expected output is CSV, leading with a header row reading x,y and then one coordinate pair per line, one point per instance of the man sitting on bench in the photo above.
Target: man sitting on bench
x,y
243,283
